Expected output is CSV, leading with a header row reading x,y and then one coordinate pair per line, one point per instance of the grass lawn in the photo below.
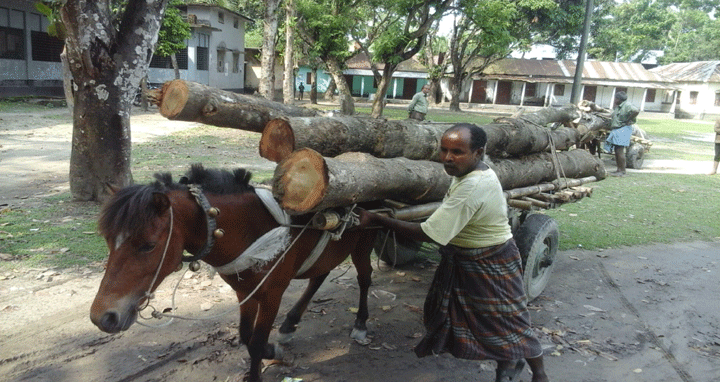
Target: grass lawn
x,y
638,209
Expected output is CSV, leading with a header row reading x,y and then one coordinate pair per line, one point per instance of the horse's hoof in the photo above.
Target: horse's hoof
x,y
360,336
284,338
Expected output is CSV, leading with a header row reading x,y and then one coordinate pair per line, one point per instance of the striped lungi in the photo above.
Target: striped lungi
x,y
476,307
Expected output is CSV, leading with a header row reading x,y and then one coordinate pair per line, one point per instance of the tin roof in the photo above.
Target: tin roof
x,y
361,61
699,71
564,71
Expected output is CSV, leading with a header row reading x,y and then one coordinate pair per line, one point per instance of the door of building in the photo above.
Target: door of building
x,y
479,94
504,89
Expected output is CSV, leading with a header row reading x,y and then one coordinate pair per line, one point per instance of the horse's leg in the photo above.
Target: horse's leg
x,y
258,346
248,313
361,260
295,314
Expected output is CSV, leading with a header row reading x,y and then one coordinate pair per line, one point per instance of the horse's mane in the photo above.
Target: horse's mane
x,y
129,210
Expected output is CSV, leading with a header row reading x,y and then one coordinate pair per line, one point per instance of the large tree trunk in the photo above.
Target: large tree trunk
x,y
378,104
347,103
455,87
313,87
107,70
308,182
412,140
190,101
266,88
330,91
289,78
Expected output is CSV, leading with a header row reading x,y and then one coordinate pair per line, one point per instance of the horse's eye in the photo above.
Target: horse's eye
x,y
147,247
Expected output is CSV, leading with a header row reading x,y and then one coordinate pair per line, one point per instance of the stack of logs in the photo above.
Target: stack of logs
x,y
326,162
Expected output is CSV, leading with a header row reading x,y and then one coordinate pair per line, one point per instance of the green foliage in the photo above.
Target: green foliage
x,y
51,10
174,30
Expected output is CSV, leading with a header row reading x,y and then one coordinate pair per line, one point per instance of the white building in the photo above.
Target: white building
x,y
30,58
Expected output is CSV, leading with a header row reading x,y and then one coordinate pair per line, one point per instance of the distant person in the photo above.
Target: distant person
x,y
301,88
622,119
717,147
419,105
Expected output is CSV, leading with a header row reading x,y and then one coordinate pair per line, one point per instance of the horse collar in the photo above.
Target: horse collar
x,y
210,214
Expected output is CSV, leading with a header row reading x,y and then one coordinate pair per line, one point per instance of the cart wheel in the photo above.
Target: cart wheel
x,y
635,156
537,240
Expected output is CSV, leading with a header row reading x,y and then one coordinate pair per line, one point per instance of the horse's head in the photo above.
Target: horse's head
x,y
146,229
137,224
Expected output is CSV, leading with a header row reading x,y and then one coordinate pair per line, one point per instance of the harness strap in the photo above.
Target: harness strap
x,y
268,246
211,223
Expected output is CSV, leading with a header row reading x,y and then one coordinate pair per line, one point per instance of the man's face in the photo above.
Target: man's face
x,y
426,89
455,153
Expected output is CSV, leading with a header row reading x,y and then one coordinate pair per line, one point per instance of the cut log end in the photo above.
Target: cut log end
x,y
300,181
175,96
277,141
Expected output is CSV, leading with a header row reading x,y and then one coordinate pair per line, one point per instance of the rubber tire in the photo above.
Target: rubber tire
x,y
537,239
635,156
405,252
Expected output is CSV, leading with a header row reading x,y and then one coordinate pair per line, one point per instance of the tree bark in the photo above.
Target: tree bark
x,y
308,182
330,91
190,101
545,167
313,87
378,104
289,78
106,68
347,103
405,138
266,88
455,87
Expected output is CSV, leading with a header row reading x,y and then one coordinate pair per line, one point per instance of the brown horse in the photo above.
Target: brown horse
x,y
147,227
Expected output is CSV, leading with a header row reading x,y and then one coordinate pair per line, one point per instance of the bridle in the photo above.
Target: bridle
x,y
212,232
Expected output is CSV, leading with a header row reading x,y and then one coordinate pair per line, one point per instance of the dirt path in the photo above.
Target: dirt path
x,y
644,314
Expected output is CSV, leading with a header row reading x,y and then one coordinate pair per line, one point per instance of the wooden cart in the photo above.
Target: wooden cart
x,y
536,234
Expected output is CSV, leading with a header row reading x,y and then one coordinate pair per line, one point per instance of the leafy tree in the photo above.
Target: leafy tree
x,y
485,32
173,34
634,29
324,26
396,34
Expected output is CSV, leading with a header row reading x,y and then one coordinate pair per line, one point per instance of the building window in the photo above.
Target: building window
x,y
236,63
221,61
45,47
221,18
693,98
12,43
236,23
717,99
559,90
202,59
650,95
166,62
530,89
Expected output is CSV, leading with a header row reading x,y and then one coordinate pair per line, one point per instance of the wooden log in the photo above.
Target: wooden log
x,y
542,167
331,136
190,101
544,187
308,182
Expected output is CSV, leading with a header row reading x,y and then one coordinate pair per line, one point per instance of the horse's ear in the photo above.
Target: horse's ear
x,y
161,202
111,189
